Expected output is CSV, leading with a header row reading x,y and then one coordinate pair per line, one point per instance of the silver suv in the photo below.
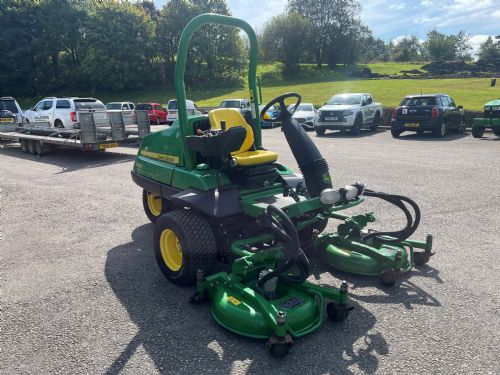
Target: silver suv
x,y
63,112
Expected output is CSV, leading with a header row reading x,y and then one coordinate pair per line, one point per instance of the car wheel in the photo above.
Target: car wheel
x,y
477,131
320,131
376,122
496,131
395,133
440,131
356,129
461,127
58,124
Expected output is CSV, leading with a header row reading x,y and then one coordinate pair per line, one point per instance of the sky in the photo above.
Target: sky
x,y
392,19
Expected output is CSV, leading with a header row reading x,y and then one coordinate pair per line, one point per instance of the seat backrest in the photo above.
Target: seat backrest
x,y
232,118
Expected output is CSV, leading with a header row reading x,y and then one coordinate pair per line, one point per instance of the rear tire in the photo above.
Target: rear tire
x,y
58,124
154,205
461,127
31,147
320,132
477,131
395,133
183,244
25,146
440,131
376,122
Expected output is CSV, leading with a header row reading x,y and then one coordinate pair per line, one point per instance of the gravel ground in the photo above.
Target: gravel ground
x,y
81,292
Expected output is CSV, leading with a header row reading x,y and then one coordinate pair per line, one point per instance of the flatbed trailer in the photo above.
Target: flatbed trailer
x,y
93,134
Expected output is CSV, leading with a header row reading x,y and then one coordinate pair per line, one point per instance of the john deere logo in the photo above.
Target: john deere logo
x,y
326,178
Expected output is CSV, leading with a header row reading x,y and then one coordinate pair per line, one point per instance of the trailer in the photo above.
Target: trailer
x,y
95,133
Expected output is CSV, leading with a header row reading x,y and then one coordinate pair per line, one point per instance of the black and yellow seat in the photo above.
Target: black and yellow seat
x,y
247,155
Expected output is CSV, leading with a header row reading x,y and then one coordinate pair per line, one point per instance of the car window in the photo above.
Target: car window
x,y
85,104
47,105
8,105
39,106
172,105
344,99
143,107
444,101
230,104
112,106
60,104
452,103
132,106
158,108
124,106
305,107
418,101
369,100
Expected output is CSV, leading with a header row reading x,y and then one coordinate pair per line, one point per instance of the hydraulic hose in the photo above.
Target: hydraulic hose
x,y
411,223
292,253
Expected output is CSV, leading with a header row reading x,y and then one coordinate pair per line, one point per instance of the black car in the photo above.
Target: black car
x,y
427,112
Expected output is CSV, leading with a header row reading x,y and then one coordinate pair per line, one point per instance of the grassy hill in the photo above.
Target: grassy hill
x,y
317,87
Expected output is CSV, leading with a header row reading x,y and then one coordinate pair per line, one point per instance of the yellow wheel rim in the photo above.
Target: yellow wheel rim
x,y
154,204
171,250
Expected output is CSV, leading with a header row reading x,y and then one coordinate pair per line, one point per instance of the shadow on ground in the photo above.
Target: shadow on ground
x,y
182,338
348,134
429,137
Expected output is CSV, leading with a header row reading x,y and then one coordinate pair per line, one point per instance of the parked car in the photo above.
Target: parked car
x,y
9,109
305,114
427,112
63,112
156,113
241,105
271,113
191,107
120,106
348,112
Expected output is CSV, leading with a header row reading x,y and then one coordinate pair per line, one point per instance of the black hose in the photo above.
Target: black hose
x,y
292,253
398,201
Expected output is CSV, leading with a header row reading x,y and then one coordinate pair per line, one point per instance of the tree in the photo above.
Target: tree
x,y
489,49
407,48
285,38
439,46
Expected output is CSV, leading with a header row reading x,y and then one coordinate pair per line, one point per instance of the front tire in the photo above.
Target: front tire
x,y
376,122
183,244
477,131
154,205
358,123
395,133
320,131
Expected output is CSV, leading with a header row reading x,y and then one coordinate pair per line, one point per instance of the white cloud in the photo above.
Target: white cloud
x,y
399,6
476,40
467,6
426,3
496,14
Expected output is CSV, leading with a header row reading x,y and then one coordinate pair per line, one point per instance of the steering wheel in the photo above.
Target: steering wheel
x,y
284,113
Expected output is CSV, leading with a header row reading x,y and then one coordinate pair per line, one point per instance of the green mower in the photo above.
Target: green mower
x,y
490,120
214,193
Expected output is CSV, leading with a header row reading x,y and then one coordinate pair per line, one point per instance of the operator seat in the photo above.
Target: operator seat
x,y
247,155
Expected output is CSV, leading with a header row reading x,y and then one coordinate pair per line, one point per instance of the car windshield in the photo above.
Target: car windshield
x,y
419,101
305,108
114,106
88,104
8,105
172,105
144,107
230,104
344,99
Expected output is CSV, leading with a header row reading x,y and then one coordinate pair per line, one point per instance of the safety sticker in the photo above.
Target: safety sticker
x,y
235,301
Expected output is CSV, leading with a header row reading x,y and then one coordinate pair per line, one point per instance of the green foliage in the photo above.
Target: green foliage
x,y
439,46
490,49
406,49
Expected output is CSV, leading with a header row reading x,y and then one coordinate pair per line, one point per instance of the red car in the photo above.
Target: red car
x,y
156,113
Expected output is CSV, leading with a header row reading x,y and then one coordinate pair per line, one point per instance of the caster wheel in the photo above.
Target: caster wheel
x,y
279,350
420,258
389,277
336,312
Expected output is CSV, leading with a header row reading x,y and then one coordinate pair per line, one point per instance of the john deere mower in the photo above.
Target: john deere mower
x,y
491,120
214,193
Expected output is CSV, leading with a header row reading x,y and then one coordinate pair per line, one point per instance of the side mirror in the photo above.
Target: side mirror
x,y
363,103
460,107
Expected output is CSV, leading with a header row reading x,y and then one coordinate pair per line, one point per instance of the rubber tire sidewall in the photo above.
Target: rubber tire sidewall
x,y
25,146
197,240
395,133
477,131
149,214
358,124
376,122
437,132
58,124
320,132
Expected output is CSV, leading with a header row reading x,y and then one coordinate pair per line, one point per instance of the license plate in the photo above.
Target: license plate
x,y
412,125
331,118
100,116
6,120
102,146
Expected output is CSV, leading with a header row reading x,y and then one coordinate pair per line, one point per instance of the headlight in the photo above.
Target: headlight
x,y
329,196
318,114
350,192
487,108
348,113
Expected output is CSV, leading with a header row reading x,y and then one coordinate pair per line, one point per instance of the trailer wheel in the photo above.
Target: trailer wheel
x,y
184,243
31,147
154,205
25,146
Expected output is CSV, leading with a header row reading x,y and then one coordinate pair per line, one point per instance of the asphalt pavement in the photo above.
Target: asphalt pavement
x,y
81,292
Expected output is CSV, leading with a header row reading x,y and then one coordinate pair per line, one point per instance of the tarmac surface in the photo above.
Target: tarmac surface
x,y
82,294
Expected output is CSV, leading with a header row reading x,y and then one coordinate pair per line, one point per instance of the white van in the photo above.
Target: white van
x,y
191,107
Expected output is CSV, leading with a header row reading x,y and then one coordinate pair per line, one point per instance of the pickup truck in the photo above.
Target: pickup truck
x,y
348,112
